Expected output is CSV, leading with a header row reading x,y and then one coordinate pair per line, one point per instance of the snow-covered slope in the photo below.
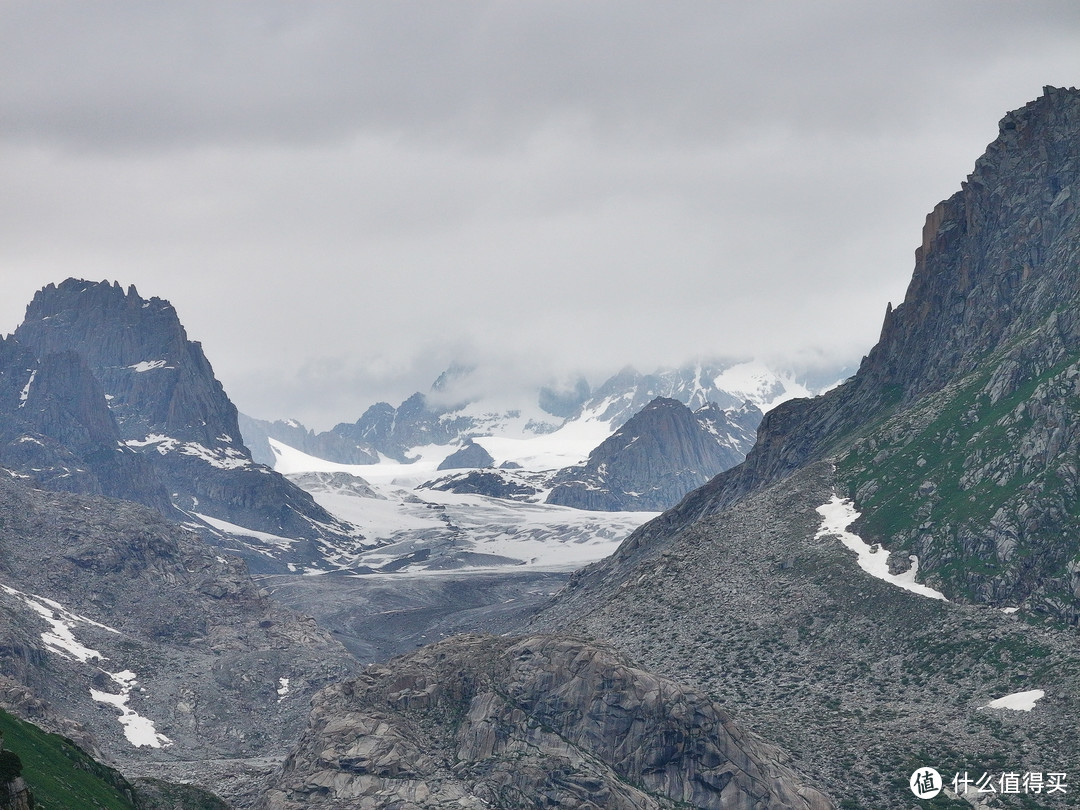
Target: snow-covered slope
x,y
414,517
425,529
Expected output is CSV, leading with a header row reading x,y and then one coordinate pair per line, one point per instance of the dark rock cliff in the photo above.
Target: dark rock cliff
x,y
56,427
470,456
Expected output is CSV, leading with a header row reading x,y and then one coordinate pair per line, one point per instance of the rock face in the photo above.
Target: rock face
x,y
479,721
958,437
658,456
104,394
509,485
393,431
55,427
15,795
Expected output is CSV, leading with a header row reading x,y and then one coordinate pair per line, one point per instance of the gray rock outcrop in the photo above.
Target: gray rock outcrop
x,y
93,587
546,721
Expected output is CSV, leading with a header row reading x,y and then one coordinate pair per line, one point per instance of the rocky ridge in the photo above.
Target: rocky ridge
x,y
480,721
862,682
327,445
957,437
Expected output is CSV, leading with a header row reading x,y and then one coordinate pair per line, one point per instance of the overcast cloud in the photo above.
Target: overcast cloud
x,y
341,199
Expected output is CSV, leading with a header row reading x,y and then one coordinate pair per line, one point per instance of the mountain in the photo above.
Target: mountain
x,y
958,435
726,384
101,392
660,454
452,413
891,579
56,428
470,456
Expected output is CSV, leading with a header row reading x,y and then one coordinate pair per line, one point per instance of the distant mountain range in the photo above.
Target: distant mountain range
x,y
384,431
712,409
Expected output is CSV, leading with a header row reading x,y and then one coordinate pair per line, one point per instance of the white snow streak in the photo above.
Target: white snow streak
x,y
226,458
26,389
139,730
837,515
232,528
149,365
61,640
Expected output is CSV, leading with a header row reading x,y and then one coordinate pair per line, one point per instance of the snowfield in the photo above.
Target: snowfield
x,y
433,530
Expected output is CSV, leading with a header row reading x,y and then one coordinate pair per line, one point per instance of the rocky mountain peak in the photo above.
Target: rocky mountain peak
x,y
993,260
157,381
995,271
103,393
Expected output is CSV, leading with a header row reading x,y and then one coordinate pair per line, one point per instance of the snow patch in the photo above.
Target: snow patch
x,y
283,688
226,458
164,443
1017,701
149,365
758,383
26,389
837,515
139,730
61,640
232,528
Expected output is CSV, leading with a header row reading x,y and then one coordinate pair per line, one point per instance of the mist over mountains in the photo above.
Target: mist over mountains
x,y
889,581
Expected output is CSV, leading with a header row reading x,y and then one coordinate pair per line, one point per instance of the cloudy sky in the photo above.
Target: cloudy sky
x,y
342,198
